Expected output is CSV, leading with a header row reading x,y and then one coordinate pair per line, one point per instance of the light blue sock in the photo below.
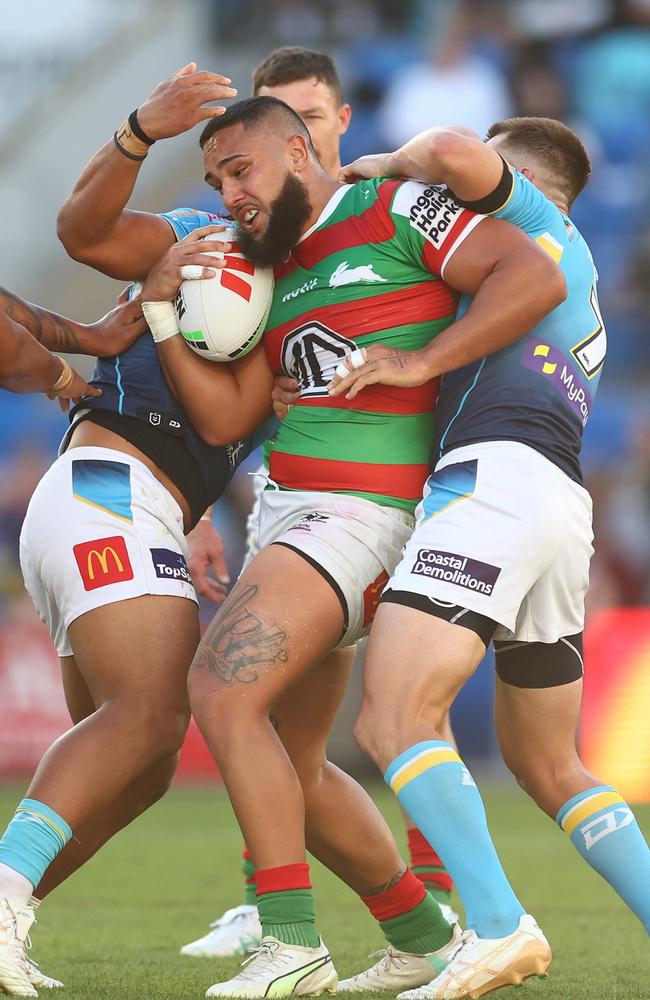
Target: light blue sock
x,y
439,794
33,839
603,829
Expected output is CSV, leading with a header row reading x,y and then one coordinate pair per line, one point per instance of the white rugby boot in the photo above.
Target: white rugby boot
x,y
276,969
234,933
481,965
39,980
15,922
449,913
401,970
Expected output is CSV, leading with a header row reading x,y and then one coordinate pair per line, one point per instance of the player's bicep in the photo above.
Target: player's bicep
x,y
471,170
489,244
130,250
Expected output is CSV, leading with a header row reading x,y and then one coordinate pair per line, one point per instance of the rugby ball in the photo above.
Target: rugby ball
x,y
223,318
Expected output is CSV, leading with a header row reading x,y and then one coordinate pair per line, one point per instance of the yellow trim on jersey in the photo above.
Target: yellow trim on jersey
x,y
423,762
550,246
588,807
106,510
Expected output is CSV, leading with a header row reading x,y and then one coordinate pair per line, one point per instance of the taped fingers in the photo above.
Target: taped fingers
x,y
355,359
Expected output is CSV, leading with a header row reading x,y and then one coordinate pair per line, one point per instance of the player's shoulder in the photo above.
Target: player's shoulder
x,y
185,220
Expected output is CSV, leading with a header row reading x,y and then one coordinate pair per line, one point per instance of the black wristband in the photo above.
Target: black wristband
x,y
137,130
125,152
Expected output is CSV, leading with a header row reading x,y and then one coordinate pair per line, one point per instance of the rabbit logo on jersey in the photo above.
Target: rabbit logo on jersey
x,y
460,570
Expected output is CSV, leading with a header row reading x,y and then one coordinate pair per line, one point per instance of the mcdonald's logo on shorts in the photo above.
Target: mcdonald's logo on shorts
x,y
103,561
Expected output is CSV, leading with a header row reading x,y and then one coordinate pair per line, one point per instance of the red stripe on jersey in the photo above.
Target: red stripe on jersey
x,y
375,225
383,399
297,472
434,257
423,303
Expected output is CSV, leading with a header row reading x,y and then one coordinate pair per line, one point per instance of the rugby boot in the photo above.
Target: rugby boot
x,y
15,922
400,970
234,933
277,969
39,980
481,965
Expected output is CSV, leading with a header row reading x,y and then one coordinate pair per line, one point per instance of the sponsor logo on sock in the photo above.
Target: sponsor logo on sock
x,y
459,570
602,826
170,565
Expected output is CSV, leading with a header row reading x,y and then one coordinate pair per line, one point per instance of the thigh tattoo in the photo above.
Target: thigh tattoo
x,y
239,645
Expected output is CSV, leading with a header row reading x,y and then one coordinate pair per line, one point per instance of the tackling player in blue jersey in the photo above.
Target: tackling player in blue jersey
x,y
501,552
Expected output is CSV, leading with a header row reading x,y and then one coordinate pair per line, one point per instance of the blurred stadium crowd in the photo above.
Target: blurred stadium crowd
x,y
406,66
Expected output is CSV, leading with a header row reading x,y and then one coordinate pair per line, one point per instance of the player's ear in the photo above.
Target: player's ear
x,y
344,116
529,173
299,152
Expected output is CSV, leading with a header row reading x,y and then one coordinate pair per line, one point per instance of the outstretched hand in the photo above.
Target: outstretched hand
x,y
179,103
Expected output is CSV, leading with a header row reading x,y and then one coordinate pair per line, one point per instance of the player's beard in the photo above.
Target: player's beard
x,y
287,217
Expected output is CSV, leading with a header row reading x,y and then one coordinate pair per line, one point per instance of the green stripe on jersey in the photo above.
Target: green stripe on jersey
x,y
412,336
356,436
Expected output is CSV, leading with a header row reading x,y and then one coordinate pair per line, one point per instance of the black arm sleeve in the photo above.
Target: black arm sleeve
x,y
496,199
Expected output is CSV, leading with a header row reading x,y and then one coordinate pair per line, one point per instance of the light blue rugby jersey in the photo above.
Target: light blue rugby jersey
x,y
539,390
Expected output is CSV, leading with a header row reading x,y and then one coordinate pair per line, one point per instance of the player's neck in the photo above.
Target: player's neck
x,y
321,190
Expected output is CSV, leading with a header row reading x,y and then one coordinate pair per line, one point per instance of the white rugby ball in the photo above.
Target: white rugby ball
x,y
223,318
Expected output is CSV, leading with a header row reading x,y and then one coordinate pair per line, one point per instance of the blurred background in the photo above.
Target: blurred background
x,y
70,73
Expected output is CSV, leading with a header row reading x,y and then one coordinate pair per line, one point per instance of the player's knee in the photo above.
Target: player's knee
x,y
549,783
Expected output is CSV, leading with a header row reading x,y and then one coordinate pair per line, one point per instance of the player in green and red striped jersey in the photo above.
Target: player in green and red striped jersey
x,y
356,264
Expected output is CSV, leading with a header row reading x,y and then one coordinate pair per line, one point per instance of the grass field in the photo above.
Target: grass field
x,y
113,931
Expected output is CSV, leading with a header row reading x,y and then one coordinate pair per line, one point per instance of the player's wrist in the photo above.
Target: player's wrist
x,y
64,379
161,320
131,139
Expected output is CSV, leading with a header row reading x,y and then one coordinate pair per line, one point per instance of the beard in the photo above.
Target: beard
x,y
287,217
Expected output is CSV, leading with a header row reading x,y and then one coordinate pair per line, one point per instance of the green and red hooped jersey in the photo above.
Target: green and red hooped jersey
x,y
369,271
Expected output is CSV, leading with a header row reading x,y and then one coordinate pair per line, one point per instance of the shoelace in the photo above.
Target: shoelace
x,y
17,948
388,958
266,952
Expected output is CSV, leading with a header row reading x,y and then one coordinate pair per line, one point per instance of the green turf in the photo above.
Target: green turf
x,y
114,930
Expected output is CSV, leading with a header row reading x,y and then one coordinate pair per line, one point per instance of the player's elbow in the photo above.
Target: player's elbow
x,y
76,244
449,147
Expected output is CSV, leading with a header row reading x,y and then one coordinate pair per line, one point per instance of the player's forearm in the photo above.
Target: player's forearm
x,y
449,155
209,393
92,212
511,300
430,155
25,365
55,332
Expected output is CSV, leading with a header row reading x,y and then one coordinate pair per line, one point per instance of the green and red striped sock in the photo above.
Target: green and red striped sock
x,y
248,871
286,904
428,867
409,917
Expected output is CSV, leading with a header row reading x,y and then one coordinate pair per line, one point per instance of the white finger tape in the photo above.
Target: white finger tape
x,y
190,271
355,359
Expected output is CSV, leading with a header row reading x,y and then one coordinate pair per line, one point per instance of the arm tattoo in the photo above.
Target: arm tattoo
x,y
378,889
51,330
239,644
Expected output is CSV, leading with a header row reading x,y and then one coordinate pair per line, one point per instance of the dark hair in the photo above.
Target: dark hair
x,y
254,110
554,144
291,63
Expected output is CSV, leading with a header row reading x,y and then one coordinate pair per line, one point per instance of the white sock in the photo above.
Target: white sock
x,y
15,886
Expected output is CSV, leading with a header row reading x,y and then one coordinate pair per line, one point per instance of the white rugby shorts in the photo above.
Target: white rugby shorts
x,y
354,542
504,532
100,528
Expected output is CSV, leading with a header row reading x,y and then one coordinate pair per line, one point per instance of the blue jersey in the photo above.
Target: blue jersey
x,y
133,386
540,389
